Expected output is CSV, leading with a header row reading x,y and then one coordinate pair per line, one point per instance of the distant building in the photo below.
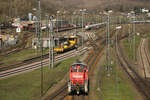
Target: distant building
x,y
8,40
36,43
45,42
30,16
110,11
12,41
148,14
145,10
4,37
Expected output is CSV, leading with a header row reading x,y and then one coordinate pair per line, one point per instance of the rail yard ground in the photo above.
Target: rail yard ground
x,y
26,53
18,57
149,41
75,50
127,43
117,86
129,48
143,58
27,86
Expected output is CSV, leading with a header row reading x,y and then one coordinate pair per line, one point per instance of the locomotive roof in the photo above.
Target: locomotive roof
x,y
79,63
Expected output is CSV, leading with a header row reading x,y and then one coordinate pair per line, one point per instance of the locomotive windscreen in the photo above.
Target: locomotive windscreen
x,y
78,68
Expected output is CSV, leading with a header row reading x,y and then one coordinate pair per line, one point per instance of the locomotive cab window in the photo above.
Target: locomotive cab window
x,y
78,68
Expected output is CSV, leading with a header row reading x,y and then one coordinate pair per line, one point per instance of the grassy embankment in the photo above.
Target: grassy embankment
x,y
19,56
24,54
27,86
128,46
143,29
115,87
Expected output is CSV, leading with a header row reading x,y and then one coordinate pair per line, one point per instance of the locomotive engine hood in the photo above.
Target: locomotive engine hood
x,y
77,78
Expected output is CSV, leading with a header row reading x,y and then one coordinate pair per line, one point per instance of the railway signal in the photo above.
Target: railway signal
x,y
18,29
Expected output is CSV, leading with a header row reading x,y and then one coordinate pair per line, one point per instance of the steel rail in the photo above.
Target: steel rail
x,y
90,61
142,56
139,82
37,65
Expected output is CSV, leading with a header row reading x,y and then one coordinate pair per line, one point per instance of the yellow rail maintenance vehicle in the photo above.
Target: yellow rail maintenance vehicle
x,y
70,43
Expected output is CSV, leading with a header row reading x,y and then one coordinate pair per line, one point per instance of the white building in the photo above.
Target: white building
x,y
145,10
148,14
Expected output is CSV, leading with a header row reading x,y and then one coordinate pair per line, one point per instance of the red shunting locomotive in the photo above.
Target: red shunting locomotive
x,y
78,81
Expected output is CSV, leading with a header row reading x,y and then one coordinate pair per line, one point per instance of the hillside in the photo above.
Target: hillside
x,y
14,8
92,4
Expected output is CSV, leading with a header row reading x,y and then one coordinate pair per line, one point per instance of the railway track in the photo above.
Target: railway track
x,y
96,52
26,61
62,94
140,83
31,60
36,65
91,61
145,61
18,49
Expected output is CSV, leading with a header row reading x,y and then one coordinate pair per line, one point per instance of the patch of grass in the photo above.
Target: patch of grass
x,y
20,56
128,46
27,86
116,86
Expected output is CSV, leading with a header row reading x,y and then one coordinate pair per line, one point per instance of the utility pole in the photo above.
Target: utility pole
x,y
130,39
108,45
130,35
74,21
82,29
57,21
61,19
0,27
133,36
51,45
75,24
40,41
82,11
134,44
47,23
